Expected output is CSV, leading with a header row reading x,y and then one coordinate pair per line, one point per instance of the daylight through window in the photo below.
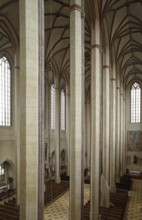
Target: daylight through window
x,y
135,103
5,92
52,106
1,172
62,110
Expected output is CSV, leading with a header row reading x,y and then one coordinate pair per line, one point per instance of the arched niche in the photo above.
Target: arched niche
x,y
9,173
63,165
52,164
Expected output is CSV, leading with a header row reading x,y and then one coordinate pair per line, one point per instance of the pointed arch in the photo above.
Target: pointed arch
x,y
9,30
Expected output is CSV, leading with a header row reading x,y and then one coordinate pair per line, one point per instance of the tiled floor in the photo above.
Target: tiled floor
x,y
134,204
59,210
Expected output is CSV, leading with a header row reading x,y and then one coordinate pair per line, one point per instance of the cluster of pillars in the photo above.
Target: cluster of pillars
x,y
31,142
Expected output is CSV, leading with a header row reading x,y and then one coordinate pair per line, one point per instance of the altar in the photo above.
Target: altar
x,y
3,188
135,173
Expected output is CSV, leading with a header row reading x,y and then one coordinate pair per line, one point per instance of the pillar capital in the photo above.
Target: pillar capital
x,y
17,67
95,46
106,67
113,79
75,7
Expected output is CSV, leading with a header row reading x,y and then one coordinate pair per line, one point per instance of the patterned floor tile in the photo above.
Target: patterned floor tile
x,y
59,210
134,204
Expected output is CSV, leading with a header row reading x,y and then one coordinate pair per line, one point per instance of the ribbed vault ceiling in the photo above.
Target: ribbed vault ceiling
x,y
124,22
9,27
57,34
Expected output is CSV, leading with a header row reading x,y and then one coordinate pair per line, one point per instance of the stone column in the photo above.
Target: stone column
x,y
29,140
76,169
57,130
122,130
68,129
88,136
47,121
95,120
17,124
124,134
106,134
83,102
113,131
41,110
48,124
118,132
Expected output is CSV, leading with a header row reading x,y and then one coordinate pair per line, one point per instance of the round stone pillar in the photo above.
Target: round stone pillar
x,y
57,131
113,131
95,120
106,134
31,109
118,132
76,82
68,129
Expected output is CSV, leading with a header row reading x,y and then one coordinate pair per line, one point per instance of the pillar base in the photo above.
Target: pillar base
x,y
104,192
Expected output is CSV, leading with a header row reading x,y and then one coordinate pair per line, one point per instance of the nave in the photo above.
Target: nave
x,y
59,209
70,102
134,203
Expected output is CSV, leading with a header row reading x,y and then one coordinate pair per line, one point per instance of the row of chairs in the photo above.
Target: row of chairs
x,y
53,190
7,193
9,210
116,210
125,183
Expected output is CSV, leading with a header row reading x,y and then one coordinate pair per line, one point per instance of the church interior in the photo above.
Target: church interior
x,y
70,109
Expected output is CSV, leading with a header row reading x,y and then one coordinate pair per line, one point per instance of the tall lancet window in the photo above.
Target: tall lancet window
x,y
5,92
1,172
62,110
52,107
135,103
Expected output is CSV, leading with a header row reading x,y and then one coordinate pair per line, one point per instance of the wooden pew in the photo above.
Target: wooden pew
x,y
6,194
8,216
115,212
9,212
10,208
53,190
125,183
